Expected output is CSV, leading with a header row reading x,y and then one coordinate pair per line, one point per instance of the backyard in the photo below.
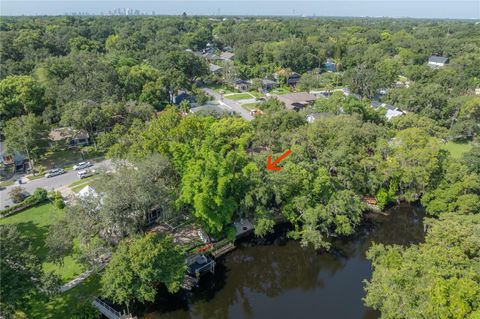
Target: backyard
x,y
34,223
66,304
457,149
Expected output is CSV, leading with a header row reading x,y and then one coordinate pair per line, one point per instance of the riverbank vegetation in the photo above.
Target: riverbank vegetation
x,y
118,78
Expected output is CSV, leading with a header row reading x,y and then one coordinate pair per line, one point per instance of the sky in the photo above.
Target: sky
x,y
358,8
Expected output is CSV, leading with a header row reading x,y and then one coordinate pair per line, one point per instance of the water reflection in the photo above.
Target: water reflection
x,y
276,278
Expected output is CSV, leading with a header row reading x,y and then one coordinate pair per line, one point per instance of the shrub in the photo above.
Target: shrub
x,y
40,194
382,198
231,233
59,203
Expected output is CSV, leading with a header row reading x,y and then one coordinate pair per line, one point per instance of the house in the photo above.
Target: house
x,y
296,101
18,161
330,65
437,61
312,117
241,85
211,57
392,111
72,137
268,84
215,69
227,56
292,79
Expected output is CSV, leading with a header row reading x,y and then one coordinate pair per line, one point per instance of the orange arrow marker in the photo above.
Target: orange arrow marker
x,y
272,166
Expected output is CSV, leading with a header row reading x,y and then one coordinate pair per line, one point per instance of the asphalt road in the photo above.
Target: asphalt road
x,y
49,184
234,106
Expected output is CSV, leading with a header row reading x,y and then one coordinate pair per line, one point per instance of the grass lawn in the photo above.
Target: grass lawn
x,y
257,94
64,158
63,305
457,149
33,223
61,158
81,183
250,106
280,91
239,96
6,183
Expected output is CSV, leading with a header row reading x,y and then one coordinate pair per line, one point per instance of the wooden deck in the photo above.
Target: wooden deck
x,y
222,249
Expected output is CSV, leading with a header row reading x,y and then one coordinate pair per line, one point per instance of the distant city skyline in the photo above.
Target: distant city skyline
x,y
380,8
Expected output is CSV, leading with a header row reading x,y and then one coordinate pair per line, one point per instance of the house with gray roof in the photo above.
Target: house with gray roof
x,y
227,56
392,111
435,61
216,69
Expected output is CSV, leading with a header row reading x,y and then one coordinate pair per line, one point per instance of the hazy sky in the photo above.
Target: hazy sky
x,y
389,8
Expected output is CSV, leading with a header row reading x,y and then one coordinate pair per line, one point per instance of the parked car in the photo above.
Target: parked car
x,y
82,165
54,172
85,173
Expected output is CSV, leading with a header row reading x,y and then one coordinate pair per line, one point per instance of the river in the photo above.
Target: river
x,y
277,278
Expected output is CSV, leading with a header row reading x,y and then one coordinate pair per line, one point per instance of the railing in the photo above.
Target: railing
x,y
210,265
106,310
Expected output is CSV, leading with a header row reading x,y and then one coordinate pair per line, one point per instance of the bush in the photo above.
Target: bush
x,y
40,194
59,203
231,233
382,198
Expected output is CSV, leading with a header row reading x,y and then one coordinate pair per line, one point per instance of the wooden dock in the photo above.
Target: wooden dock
x,y
222,248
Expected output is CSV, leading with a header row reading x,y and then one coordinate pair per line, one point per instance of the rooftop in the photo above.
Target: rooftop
x,y
214,67
227,55
437,59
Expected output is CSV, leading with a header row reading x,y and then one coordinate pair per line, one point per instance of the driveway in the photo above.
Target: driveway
x,y
52,183
234,106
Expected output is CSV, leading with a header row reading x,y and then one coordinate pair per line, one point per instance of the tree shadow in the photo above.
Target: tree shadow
x,y
36,236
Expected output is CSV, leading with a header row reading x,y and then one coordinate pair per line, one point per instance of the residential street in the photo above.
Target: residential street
x,y
234,106
47,183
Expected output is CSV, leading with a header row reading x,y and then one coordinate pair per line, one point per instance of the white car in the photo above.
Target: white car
x,y
82,165
85,173
54,172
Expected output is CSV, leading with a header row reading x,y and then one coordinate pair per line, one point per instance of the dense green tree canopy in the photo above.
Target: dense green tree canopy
x,y
435,279
19,95
26,135
123,203
139,265
21,272
457,192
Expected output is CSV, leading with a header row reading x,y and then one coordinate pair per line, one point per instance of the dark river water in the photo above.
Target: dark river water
x,y
277,278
